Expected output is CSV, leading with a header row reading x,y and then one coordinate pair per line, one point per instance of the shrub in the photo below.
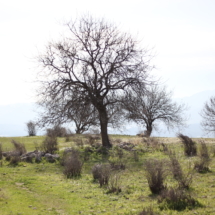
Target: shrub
x,y
92,138
176,199
202,165
68,136
114,184
101,173
72,163
118,164
148,211
155,174
1,152
117,140
203,150
14,159
78,141
119,152
190,148
213,150
50,144
184,180
86,153
57,131
118,158
14,156
19,148
152,142
175,166
97,171
136,155
29,159
165,148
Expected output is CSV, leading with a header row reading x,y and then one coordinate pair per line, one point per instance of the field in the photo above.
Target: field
x,y
42,188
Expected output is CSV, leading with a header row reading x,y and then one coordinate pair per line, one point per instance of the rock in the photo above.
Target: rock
x,y
38,158
51,158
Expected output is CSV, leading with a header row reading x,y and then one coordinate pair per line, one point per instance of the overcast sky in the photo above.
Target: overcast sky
x,y
180,33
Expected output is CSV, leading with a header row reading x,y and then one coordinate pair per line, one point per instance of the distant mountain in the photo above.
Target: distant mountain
x,y
195,104
13,118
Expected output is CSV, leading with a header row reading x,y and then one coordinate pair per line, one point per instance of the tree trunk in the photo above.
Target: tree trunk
x,y
148,130
77,131
103,124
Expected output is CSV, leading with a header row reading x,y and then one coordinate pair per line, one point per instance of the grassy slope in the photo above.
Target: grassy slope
x,y
43,189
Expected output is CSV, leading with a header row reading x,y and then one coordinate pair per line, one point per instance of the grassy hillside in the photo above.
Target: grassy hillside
x,y
42,188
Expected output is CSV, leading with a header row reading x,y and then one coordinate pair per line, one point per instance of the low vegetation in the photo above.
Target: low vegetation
x,y
137,176
189,145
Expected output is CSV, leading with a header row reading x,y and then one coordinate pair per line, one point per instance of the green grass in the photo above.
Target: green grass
x,y
31,188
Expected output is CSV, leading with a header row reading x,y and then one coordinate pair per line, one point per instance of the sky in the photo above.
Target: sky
x,y
180,34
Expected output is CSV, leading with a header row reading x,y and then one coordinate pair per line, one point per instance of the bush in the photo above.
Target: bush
x,y
155,174
119,152
175,166
118,158
72,163
203,150
19,148
190,148
176,199
87,151
78,141
1,152
202,165
101,173
118,164
69,135
49,145
57,131
184,180
92,138
152,142
136,155
14,159
114,184
14,156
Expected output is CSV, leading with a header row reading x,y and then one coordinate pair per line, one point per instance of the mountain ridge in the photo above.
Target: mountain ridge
x,y
13,117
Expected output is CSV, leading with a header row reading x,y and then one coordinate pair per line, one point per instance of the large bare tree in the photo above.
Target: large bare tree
x,y
208,116
154,105
99,60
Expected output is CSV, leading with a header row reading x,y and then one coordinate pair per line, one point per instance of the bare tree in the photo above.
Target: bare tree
x,y
152,105
73,107
208,116
31,127
98,60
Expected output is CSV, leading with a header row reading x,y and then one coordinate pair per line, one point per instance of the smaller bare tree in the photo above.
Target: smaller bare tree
x,y
74,108
31,127
208,116
152,105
